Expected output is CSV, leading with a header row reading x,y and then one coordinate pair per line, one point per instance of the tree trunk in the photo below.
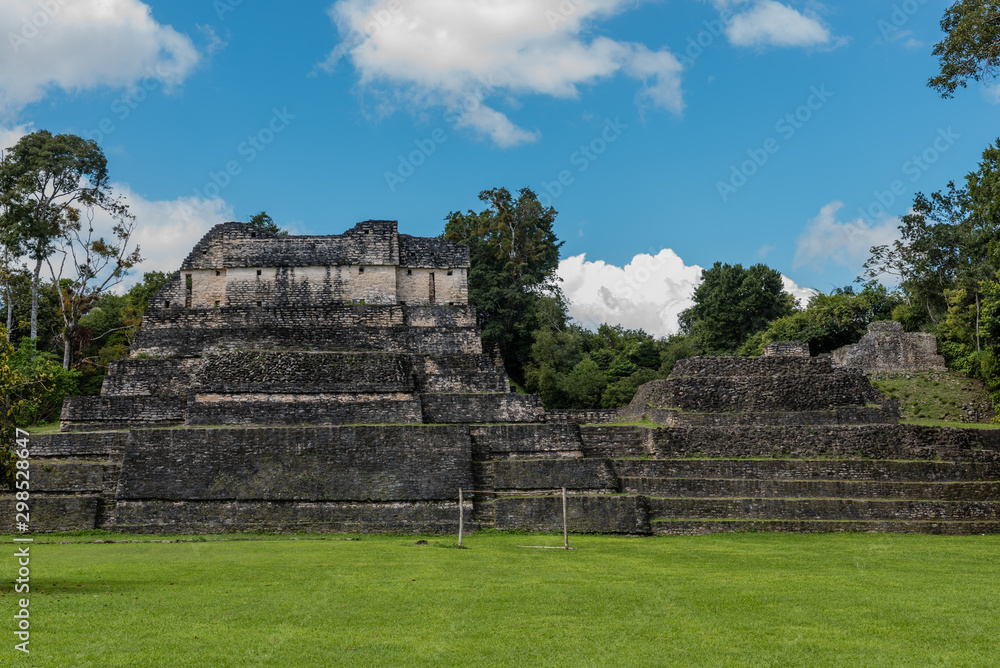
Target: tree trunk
x,y
977,322
34,300
66,351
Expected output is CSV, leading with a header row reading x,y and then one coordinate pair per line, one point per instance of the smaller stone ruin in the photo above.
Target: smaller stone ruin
x,y
886,347
788,389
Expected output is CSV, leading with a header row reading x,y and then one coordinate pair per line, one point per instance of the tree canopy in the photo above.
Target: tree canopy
x,y
47,180
514,255
971,47
732,303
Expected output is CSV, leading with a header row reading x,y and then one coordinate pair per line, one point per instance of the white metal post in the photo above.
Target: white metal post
x,y
565,526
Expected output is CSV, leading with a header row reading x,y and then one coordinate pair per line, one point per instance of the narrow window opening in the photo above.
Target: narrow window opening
x,y
430,288
361,270
216,303
450,272
368,231
166,304
259,304
258,272
253,235
218,273
409,272
188,289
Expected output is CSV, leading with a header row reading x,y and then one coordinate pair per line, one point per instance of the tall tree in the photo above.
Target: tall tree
x,y
11,240
948,247
47,179
971,47
88,268
514,255
732,303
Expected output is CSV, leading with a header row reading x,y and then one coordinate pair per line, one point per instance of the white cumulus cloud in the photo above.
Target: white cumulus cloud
x,y
10,135
75,45
827,239
165,230
458,54
772,23
648,293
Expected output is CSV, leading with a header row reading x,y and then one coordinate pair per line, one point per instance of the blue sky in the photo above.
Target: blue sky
x,y
668,135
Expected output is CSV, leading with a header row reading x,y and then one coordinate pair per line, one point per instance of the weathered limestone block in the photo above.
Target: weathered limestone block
x,y
886,347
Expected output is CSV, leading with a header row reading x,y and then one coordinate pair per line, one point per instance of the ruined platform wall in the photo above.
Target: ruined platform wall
x,y
886,347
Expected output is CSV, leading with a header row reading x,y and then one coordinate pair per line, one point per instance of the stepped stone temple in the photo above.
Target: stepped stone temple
x,y
338,383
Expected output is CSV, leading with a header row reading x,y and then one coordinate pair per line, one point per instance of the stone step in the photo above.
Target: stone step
x,y
836,489
821,509
500,442
603,513
90,445
51,512
73,476
806,469
156,516
534,474
958,528
611,441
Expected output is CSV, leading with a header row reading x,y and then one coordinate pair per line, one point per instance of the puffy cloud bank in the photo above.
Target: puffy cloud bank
x,y
847,243
456,54
83,44
648,293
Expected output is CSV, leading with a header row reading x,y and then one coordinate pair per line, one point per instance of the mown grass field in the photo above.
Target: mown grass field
x,y
723,600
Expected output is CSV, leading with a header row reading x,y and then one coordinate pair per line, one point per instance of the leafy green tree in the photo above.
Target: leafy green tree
x,y
732,303
971,47
108,331
585,384
32,388
47,179
829,321
265,222
512,281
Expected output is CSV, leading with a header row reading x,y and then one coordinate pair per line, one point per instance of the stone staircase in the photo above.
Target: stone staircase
x,y
74,477
623,479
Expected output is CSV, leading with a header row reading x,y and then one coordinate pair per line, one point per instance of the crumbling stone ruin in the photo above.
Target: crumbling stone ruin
x,y
886,347
339,384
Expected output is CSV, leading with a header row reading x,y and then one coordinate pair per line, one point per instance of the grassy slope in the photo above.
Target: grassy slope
x,y
937,395
724,600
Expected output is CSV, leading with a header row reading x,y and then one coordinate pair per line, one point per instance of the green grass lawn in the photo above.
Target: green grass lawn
x,y
936,395
722,600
